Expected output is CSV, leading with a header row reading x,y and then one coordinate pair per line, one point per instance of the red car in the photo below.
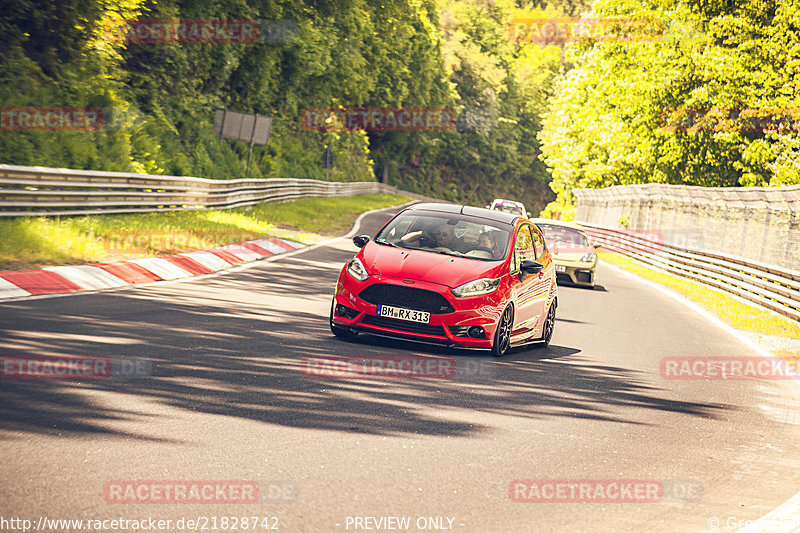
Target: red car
x,y
449,274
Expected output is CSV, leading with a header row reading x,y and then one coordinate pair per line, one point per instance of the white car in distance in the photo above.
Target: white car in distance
x,y
509,206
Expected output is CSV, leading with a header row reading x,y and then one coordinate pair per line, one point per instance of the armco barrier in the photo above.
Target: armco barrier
x,y
768,286
759,223
42,191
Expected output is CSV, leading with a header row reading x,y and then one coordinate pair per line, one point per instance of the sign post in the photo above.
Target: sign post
x,y
327,160
247,127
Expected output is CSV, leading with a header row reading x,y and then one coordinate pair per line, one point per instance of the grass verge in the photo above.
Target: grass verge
x,y
778,334
31,242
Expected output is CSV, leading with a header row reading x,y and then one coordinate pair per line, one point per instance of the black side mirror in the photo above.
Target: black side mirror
x,y
360,240
597,245
528,266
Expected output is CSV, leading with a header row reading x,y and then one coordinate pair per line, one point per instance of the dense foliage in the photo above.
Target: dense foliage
x,y
158,98
529,114
713,101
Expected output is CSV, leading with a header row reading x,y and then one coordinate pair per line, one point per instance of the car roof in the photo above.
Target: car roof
x,y
554,222
479,212
503,201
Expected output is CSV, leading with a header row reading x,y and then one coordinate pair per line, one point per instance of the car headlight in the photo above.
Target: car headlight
x,y
356,269
588,258
477,287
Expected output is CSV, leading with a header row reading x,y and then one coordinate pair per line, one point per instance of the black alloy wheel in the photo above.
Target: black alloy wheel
x,y
502,336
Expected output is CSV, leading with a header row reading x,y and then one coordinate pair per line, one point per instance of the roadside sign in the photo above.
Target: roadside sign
x,y
327,159
247,127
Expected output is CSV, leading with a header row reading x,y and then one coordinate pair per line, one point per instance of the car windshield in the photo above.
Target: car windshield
x,y
508,208
447,233
562,234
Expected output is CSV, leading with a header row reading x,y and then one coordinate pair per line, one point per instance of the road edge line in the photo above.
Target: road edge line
x,y
786,517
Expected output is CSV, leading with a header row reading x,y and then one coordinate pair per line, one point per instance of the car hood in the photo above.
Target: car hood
x,y
569,252
424,266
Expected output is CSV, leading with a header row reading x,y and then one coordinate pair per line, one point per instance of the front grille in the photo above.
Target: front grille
x,y
563,278
584,276
404,325
407,297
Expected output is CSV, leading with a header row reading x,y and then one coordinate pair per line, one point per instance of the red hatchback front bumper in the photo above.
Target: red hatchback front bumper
x,y
468,322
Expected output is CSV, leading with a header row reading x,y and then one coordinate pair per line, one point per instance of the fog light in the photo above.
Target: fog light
x,y
459,331
346,312
476,332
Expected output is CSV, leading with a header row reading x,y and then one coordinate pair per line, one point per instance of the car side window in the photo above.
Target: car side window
x,y
523,248
538,242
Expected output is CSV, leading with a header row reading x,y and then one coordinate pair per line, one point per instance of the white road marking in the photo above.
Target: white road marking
x,y
162,268
9,290
208,260
241,252
786,517
88,277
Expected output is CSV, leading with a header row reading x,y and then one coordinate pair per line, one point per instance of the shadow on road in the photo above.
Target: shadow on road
x,y
234,346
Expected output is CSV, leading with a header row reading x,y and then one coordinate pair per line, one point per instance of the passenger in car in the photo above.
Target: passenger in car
x,y
486,240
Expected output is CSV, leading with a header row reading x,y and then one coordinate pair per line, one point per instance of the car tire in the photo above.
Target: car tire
x,y
549,326
502,335
342,333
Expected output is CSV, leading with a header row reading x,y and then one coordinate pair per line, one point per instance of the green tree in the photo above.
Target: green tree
x,y
615,117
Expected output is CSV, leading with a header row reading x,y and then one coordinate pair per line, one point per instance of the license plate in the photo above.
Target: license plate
x,y
561,268
404,314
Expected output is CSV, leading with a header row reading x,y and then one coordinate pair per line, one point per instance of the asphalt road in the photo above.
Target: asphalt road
x,y
227,399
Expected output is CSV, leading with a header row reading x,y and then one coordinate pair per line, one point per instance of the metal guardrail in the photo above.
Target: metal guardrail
x,y
42,191
768,286
760,223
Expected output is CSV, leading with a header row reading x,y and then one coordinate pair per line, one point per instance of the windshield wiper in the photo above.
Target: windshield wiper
x,y
454,253
393,245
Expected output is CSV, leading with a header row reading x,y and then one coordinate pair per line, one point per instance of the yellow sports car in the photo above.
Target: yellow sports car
x,y
573,254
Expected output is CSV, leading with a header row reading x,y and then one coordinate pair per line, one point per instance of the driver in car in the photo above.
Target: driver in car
x,y
445,236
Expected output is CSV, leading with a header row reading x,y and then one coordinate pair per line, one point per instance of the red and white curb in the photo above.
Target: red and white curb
x,y
66,279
